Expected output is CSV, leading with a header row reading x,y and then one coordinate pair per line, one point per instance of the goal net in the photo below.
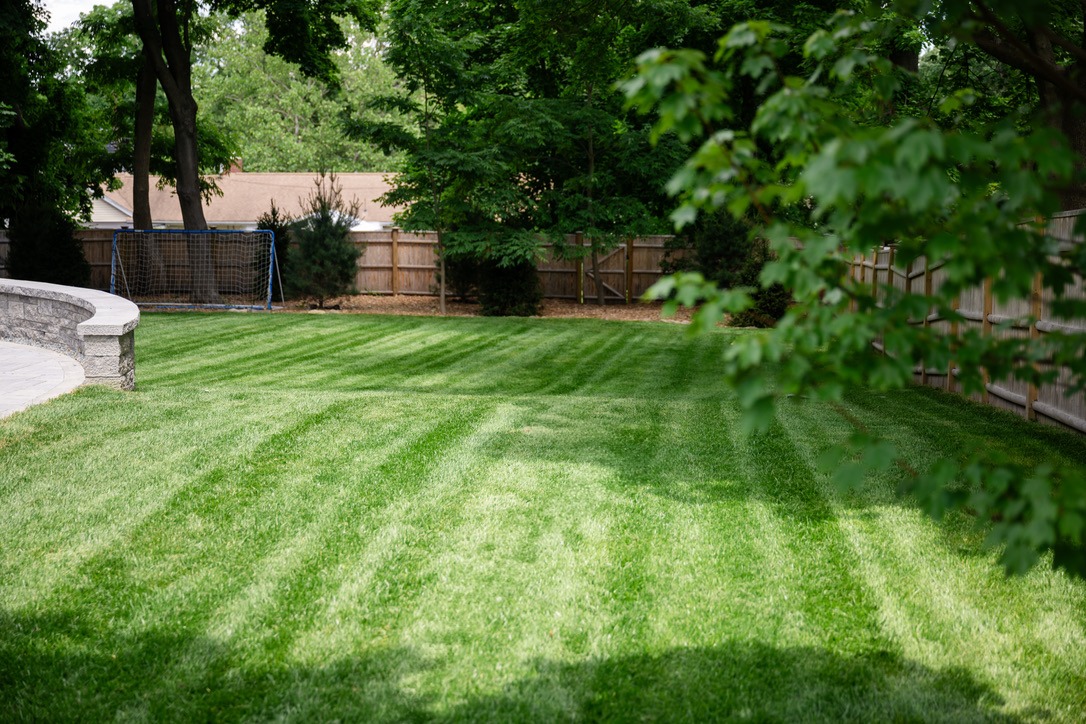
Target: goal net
x,y
194,268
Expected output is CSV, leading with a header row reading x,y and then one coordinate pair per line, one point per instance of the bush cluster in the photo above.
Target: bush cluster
x,y
723,250
44,248
509,291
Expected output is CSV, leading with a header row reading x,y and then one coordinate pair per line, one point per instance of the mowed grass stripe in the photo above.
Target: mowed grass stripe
x,y
117,487
370,550
479,519
1032,640
373,353
168,564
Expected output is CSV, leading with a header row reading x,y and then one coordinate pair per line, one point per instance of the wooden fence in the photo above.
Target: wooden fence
x,y
1018,318
400,262
97,248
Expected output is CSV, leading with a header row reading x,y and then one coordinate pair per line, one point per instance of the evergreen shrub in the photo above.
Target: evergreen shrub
x,y
462,277
43,247
324,261
509,291
722,249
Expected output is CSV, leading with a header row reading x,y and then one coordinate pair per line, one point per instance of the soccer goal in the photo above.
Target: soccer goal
x,y
231,269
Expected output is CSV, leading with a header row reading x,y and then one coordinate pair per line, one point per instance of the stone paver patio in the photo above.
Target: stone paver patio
x,y
30,375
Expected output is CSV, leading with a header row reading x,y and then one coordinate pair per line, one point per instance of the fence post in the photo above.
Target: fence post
x,y
955,305
395,260
852,278
579,241
629,269
875,276
927,316
1035,311
891,278
986,330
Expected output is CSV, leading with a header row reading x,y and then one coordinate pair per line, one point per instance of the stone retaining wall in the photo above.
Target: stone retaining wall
x,y
95,328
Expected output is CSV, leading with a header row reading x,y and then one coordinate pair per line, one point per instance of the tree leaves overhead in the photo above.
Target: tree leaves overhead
x,y
52,147
303,32
833,161
306,33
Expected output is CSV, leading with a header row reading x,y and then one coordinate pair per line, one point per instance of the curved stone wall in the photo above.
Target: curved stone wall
x,y
95,328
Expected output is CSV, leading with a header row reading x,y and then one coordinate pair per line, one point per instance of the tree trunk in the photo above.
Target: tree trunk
x,y
167,46
148,259
146,85
1072,123
600,292
183,117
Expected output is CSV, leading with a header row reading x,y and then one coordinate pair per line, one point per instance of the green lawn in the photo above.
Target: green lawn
x,y
320,517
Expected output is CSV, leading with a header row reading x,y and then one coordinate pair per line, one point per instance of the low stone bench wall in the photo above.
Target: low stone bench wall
x,y
95,328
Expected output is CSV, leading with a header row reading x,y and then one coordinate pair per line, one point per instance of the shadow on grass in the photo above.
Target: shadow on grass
x,y
58,668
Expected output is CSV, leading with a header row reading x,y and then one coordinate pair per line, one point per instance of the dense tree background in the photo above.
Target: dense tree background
x,y
103,56
303,33
280,119
521,136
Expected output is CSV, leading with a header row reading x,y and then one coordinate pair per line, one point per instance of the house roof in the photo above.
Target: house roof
x,y
246,196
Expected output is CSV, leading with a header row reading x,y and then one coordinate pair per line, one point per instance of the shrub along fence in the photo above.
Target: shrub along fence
x,y
1017,318
400,262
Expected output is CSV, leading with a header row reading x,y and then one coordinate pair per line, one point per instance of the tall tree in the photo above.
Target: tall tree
x,y
52,151
304,33
521,134
104,56
1044,39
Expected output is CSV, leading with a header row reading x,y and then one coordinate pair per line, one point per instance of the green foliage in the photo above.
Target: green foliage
x,y
279,223
521,135
44,247
52,150
299,32
723,250
279,118
462,275
324,261
829,167
509,291
769,302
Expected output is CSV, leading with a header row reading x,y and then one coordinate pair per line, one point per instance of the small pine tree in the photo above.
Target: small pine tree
x,y
323,261
278,222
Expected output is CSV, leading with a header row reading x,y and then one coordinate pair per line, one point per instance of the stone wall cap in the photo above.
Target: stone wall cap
x,y
111,315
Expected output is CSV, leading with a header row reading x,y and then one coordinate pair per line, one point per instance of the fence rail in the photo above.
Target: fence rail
x,y
1017,318
400,262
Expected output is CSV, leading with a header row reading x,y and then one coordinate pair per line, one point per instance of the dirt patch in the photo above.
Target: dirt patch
x,y
428,306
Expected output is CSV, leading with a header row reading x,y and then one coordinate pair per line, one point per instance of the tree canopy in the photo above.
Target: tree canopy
x,y
51,147
278,118
522,136
300,32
